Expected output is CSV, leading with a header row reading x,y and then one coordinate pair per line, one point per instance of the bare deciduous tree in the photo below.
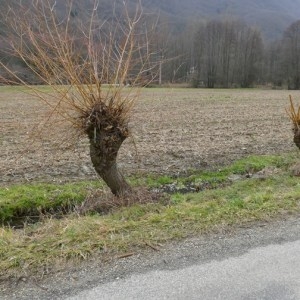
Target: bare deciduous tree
x,y
291,55
227,52
85,61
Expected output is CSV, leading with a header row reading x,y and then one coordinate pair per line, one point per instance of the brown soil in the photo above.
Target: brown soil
x,y
173,130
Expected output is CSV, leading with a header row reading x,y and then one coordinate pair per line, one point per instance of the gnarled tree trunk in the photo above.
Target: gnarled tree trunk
x,y
106,132
297,137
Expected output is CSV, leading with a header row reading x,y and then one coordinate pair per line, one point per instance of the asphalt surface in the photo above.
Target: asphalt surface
x,y
271,272
261,261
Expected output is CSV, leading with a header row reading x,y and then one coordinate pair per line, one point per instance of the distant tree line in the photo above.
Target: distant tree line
x,y
229,53
215,53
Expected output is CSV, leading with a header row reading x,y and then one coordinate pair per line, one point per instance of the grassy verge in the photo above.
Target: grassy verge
x,y
214,179
52,242
21,203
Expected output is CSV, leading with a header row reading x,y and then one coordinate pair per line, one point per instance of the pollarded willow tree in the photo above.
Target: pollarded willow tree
x,y
294,115
85,61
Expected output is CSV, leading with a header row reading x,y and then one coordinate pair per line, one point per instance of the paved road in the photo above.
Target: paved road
x,y
271,272
260,261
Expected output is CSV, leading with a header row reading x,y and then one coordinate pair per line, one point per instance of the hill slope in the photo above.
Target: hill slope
x,y
271,16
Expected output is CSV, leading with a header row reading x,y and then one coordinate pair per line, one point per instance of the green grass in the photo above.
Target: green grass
x,y
22,89
151,180
216,178
249,165
52,242
19,202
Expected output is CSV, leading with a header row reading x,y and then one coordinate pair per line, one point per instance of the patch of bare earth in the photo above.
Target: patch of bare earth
x,y
173,130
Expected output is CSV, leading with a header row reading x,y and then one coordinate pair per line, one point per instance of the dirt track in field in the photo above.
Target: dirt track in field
x,y
173,130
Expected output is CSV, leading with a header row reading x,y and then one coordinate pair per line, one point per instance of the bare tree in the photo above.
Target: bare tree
x,y
76,57
227,52
291,55
294,115
272,63
249,55
212,53
228,40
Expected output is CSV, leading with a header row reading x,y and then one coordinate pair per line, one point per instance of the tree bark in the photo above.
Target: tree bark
x,y
105,163
106,134
297,137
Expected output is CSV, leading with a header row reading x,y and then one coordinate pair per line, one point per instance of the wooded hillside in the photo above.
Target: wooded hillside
x,y
217,43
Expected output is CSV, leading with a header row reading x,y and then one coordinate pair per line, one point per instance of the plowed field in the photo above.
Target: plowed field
x,y
173,130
